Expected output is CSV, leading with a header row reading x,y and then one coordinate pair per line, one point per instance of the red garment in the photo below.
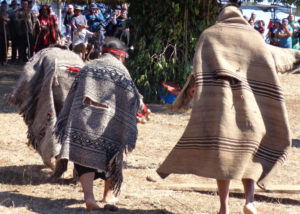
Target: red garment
x,y
47,34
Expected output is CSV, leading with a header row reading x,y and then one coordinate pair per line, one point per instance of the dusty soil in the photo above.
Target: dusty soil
x,y
23,177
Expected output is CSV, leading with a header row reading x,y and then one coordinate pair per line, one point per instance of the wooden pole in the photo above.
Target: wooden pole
x,y
59,6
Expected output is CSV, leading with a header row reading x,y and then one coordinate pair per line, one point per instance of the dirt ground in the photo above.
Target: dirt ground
x,y
23,177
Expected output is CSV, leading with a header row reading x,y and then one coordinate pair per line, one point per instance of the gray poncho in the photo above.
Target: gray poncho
x,y
40,94
98,120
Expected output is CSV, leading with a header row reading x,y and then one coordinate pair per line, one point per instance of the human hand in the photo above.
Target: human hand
x,y
144,116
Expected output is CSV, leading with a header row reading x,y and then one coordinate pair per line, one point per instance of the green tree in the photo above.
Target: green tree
x,y
164,35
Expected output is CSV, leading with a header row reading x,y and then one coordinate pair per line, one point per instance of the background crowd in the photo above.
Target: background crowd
x,y
28,31
283,33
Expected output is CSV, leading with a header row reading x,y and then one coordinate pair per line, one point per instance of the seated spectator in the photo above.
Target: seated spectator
x,y
273,37
285,34
80,39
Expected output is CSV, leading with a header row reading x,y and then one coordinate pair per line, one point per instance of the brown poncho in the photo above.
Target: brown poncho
x,y
238,126
39,96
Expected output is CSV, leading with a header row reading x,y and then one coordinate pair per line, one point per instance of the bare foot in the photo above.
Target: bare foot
x,y
110,200
221,212
250,209
91,205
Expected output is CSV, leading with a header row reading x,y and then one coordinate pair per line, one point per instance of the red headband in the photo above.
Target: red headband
x,y
114,51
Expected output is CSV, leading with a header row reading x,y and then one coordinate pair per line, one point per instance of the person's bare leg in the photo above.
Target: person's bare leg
x,y
86,181
108,194
223,189
249,188
83,52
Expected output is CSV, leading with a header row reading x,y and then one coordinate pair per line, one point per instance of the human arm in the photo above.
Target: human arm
x,y
114,19
73,23
285,32
78,30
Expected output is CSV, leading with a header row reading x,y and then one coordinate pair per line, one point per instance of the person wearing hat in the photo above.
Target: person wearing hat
x,y
14,6
274,40
12,29
80,39
78,18
96,24
4,18
67,22
95,19
26,23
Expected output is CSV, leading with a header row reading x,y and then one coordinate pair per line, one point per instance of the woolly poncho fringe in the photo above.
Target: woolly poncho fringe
x,y
40,94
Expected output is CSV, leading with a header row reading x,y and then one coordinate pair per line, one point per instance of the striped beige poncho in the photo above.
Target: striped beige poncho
x,y
238,126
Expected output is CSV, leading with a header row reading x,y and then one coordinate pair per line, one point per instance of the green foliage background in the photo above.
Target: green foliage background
x,y
165,35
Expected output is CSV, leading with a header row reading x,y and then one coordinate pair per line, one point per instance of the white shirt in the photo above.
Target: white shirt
x,y
81,37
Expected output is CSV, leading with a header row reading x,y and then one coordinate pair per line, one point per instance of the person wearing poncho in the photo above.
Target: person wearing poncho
x,y
39,96
98,122
238,127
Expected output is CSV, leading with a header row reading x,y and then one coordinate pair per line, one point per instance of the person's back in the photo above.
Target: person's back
x,y
40,101
232,132
101,113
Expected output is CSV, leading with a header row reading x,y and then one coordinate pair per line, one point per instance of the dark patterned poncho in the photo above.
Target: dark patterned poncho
x,y
98,120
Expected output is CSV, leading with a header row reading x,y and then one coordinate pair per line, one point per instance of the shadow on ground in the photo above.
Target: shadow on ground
x,y
30,175
48,205
162,109
261,198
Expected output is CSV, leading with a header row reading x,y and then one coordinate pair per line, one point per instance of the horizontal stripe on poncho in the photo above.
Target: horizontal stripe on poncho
x,y
238,126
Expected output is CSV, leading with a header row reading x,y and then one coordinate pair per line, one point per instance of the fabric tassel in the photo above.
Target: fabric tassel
x,y
115,173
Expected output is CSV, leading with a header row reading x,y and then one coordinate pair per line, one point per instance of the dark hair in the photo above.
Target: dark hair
x,y
115,43
44,7
236,3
